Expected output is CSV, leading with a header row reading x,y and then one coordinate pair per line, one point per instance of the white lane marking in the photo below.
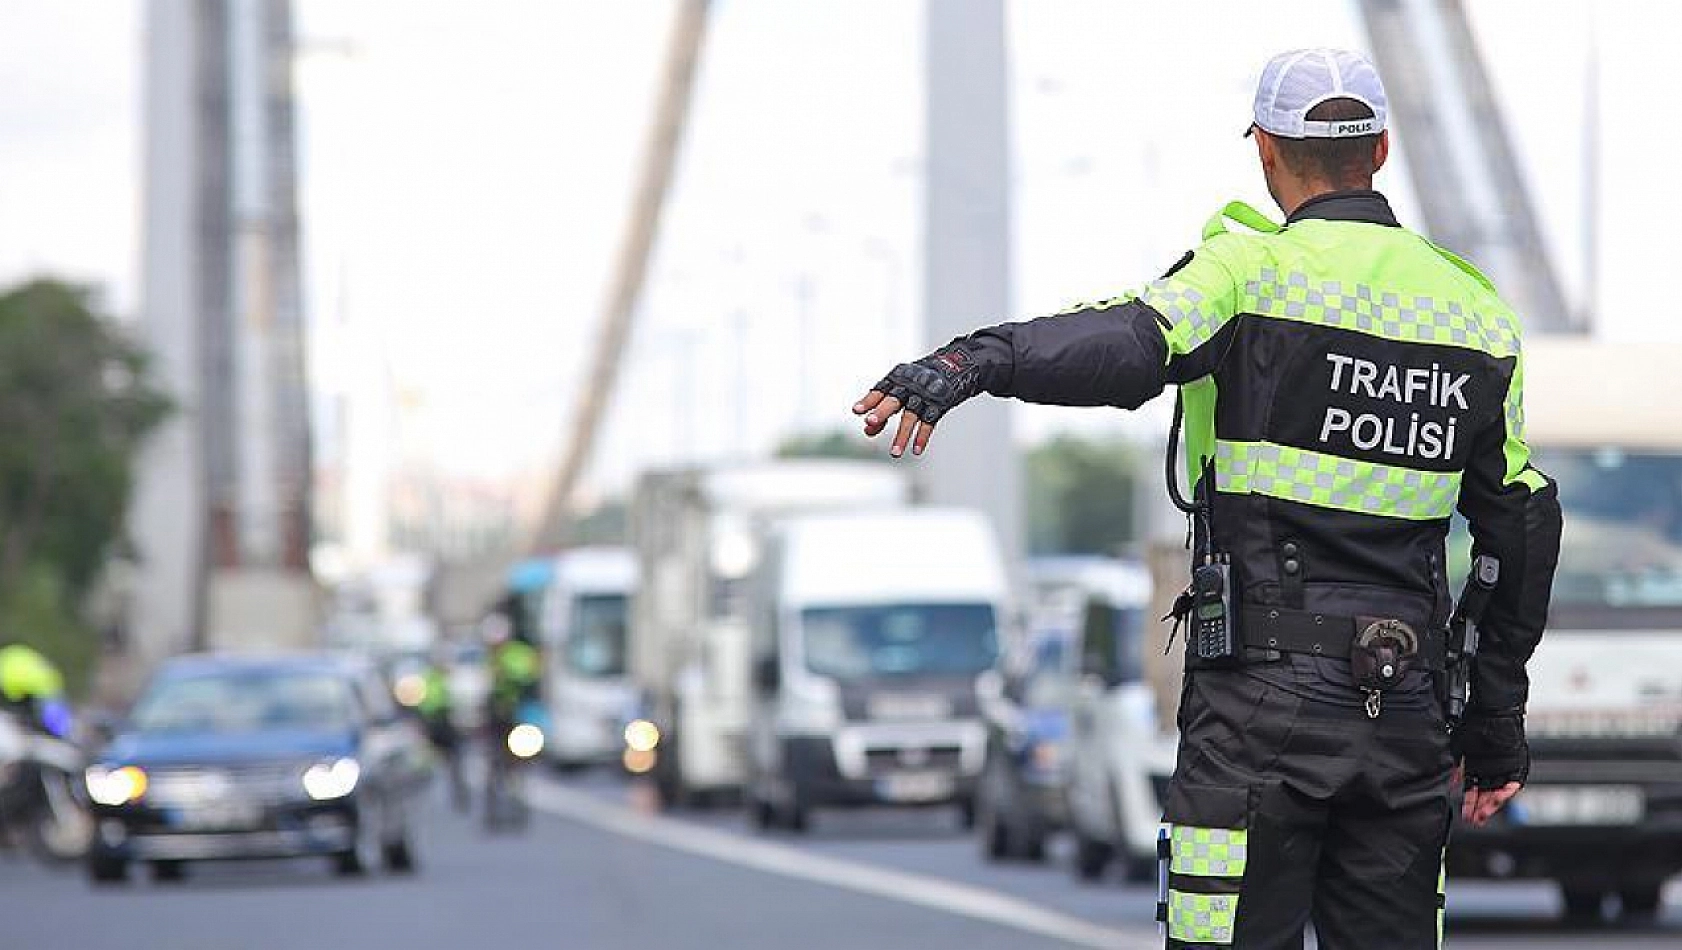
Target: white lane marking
x,y
920,889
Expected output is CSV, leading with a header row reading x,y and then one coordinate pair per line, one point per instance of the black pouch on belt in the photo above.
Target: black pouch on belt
x,y
1383,651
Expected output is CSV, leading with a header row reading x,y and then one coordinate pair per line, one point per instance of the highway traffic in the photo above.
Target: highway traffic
x,y
597,869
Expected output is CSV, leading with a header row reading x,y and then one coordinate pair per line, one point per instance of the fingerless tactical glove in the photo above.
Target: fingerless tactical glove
x,y
933,385
1492,746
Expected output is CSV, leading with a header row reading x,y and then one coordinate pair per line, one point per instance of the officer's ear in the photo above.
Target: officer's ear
x,y
1381,151
1267,150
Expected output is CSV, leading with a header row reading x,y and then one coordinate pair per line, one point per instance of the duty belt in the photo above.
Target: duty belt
x,y
1321,634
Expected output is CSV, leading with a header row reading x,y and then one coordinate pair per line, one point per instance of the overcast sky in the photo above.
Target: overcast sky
x,y
466,167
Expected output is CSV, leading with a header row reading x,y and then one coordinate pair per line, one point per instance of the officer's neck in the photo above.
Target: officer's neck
x,y
1293,193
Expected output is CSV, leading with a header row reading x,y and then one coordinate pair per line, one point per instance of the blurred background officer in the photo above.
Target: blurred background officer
x,y
438,714
1345,384
32,689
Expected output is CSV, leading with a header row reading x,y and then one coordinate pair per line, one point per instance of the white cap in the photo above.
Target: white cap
x,y
1294,83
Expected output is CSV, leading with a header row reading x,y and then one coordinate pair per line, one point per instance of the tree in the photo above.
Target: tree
x,y
1081,495
834,444
76,400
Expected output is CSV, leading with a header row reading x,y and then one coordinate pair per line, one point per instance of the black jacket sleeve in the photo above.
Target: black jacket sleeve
x,y
1513,510
1095,355
1119,352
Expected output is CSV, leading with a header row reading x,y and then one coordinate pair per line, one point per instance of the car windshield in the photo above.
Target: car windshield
x,y
596,644
1622,542
850,643
246,701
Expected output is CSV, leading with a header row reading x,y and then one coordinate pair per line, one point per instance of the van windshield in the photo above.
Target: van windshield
x,y
1621,550
1622,545
595,646
850,643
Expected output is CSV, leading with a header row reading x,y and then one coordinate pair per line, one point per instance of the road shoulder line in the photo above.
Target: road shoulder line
x,y
768,856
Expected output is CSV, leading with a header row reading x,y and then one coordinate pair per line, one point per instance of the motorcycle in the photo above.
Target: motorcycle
x,y
42,809
511,751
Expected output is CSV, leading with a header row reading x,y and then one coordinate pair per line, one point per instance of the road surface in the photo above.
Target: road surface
x,y
597,871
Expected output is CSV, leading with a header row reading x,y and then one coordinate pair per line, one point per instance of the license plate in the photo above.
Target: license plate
x,y
225,816
1578,805
915,786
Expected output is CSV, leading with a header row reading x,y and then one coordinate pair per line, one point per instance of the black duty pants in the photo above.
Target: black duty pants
x,y
1285,808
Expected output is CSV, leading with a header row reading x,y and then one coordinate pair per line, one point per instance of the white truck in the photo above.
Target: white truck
x,y
1602,813
697,536
865,673
583,616
1120,758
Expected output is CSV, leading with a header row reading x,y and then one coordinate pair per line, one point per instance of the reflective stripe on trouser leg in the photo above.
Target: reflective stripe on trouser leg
x,y
1442,897
1205,868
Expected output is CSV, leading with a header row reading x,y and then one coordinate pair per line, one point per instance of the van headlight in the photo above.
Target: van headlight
x,y
108,786
811,704
641,735
525,740
324,781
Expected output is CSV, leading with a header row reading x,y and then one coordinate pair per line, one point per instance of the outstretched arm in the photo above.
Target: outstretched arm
x,y
1118,352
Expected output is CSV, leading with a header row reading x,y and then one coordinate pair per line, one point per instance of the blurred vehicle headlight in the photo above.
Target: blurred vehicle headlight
x,y
638,763
409,689
641,735
1048,756
812,703
119,786
329,780
525,740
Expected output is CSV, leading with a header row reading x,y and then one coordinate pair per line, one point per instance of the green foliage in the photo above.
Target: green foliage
x,y
75,403
834,444
1080,495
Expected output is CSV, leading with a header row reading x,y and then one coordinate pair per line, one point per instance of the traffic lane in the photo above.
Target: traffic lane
x,y
930,842
559,884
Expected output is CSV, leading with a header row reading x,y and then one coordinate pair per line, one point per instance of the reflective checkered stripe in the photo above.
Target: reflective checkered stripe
x,y
1330,481
1442,896
1205,868
1201,918
1409,318
1192,316
1208,852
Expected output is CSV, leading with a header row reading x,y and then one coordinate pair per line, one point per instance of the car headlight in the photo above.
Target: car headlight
x,y
119,786
525,740
335,779
1048,756
641,735
410,689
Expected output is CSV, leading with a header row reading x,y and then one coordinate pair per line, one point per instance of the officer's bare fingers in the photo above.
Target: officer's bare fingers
x,y
908,423
868,402
920,441
1494,799
879,415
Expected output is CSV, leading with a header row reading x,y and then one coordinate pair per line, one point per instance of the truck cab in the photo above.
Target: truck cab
x,y
583,618
865,677
1602,812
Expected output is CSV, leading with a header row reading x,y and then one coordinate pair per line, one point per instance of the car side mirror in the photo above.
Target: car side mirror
x,y
767,675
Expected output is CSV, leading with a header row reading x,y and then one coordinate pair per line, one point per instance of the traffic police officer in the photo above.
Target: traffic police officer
x,y
1346,385
30,686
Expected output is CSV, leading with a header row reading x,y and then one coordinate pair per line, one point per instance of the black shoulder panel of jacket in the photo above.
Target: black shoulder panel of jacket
x,y
1521,527
1105,354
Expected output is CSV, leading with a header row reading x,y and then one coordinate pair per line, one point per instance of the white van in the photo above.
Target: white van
x,y
583,614
1119,757
1602,811
866,662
